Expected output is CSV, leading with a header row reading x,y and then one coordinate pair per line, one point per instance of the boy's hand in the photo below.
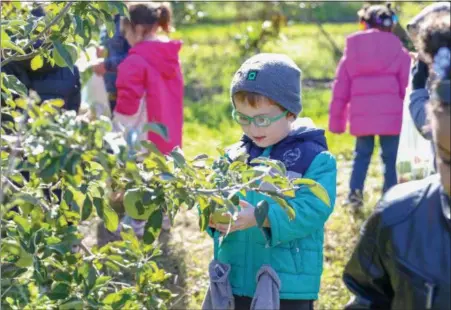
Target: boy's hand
x,y
245,219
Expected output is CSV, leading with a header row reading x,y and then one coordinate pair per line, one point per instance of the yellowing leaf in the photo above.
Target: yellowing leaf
x,y
317,189
59,103
4,36
21,103
37,62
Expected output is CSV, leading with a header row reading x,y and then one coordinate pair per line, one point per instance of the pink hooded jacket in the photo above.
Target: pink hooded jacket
x,y
150,82
370,85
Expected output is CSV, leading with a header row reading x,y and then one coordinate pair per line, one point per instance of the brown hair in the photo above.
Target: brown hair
x,y
434,34
149,14
253,99
377,16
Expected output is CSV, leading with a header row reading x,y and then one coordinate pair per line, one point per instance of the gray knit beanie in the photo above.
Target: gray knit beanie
x,y
275,76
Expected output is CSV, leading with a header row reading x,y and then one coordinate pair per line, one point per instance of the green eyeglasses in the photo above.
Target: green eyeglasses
x,y
259,120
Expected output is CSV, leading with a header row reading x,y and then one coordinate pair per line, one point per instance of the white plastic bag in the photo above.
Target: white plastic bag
x,y
415,156
95,97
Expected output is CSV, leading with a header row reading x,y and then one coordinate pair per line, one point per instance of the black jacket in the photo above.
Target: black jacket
x,y
403,260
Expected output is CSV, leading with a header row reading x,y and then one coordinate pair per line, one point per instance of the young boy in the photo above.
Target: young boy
x,y
266,96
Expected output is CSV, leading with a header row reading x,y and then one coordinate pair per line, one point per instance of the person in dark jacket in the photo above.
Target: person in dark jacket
x,y
50,82
403,257
419,95
115,50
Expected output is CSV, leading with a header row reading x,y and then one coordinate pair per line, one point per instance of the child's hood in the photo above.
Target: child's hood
x,y
372,51
301,131
164,56
306,131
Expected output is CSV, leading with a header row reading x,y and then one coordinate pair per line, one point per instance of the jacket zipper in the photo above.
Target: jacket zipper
x,y
430,294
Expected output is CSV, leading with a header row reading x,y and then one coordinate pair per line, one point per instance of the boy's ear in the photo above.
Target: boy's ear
x,y
291,116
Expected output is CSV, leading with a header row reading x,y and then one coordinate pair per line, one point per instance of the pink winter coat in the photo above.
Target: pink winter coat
x,y
150,83
370,85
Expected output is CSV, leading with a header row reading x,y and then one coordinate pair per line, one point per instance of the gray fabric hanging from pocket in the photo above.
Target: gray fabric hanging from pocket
x,y
219,295
267,292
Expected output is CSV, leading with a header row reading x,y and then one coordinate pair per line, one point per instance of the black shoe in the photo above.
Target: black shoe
x,y
355,200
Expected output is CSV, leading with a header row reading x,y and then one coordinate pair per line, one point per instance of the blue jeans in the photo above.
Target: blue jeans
x,y
362,157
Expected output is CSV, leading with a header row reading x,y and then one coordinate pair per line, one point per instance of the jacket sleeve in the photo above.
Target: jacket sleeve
x,y
417,107
117,52
130,85
310,212
365,275
338,113
112,62
403,74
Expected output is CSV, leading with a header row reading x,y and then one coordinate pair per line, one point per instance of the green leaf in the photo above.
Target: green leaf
x,y
179,157
87,32
92,276
10,246
284,204
50,170
137,203
112,298
72,304
6,44
166,176
200,157
21,198
4,36
98,204
157,128
22,222
152,148
13,84
121,7
238,166
110,218
275,164
62,52
60,290
317,189
9,300
205,212
129,237
100,281
63,276
87,208
72,163
261,212
153,227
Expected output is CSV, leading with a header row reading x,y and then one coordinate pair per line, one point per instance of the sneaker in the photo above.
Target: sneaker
x,y
355,200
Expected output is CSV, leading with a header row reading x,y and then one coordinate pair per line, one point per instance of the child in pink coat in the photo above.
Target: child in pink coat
x,y
150,82
368,91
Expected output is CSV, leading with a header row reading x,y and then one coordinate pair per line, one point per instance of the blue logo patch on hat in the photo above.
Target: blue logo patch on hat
x,y
252,75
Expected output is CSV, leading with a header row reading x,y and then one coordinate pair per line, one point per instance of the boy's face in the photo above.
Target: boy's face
x,y
264,136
